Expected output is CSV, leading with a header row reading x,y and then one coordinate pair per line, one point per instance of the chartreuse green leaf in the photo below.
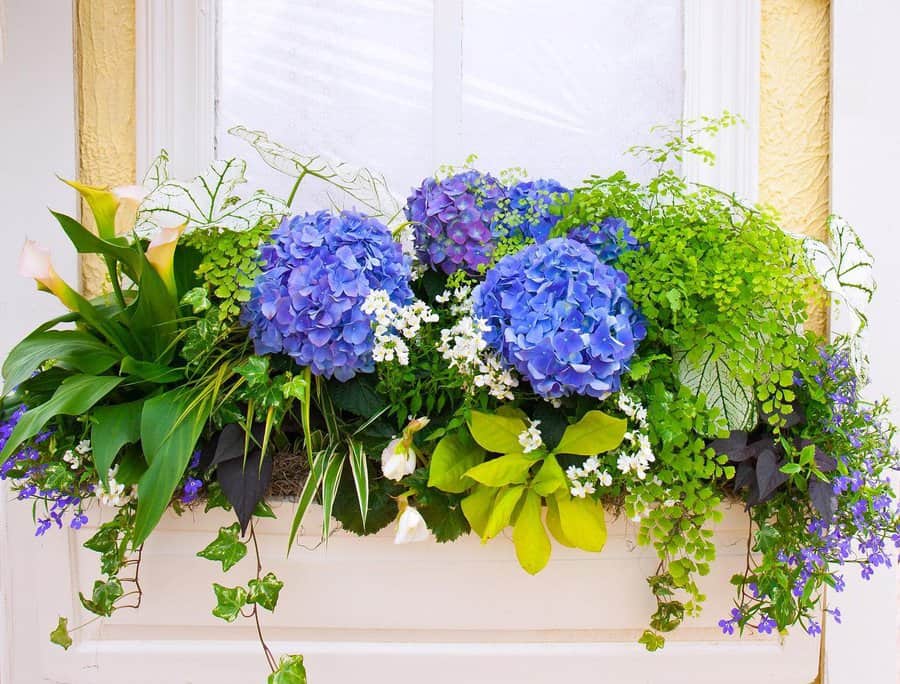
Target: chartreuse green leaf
x,y
508,469
264,592
477,507
171,424
229,601
68,348
60,635
226,548
550,477
582,521
452,457
595,433
113,427
75,396
502,511
529,536
495,432
290,671
553,523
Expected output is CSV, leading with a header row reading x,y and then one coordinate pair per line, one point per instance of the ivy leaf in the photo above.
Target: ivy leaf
x,y
103,597
229,601
60,635
497,432
264,592
451,459
290,671
255,370
708,374
595,433
652,641
227,548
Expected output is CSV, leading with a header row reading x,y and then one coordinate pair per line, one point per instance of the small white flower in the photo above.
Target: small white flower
x,y
590,464
530,437
411,527
578,490
114,493
72,459
397,460
604,479
84,447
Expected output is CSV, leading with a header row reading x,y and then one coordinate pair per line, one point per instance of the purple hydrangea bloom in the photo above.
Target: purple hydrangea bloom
x,y
527,210
316,272
561,318
452,220
607,239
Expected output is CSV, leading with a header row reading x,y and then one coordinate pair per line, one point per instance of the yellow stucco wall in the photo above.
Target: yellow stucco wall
x,y
795,117
105,78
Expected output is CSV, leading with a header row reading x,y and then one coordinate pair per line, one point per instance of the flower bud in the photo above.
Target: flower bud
x,y
411,527
397,460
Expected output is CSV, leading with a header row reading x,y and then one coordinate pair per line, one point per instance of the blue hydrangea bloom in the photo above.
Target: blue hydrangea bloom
x,y
316,272
607,239
527,212
452,220
560,317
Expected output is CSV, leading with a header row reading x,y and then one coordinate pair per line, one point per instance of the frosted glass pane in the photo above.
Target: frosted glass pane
x,y
563,88
350,79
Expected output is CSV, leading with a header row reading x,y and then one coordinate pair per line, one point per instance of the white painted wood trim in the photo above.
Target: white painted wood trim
x,y
176,83
721,65
447,70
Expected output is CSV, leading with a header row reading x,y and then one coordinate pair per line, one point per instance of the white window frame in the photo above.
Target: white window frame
x,y
177,74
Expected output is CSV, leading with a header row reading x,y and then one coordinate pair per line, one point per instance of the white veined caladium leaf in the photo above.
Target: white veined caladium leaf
x,y
844,267
705,372
212,200
346,186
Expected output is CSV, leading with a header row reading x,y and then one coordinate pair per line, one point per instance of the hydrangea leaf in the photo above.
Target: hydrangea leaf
x,y
582,521
503,510
550,477
496,432
60,635
595,433
508,469
264,592
212,200
451,459
529,536
290,671
345,186
705,372
477,507
229,601
226,548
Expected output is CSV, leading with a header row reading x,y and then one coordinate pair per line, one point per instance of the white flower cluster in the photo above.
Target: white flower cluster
x,y
530,437
585,479
464,347
75,458
460,304
114,494
394,324
633,458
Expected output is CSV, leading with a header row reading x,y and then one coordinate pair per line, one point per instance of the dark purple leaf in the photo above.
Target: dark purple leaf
x,y
823,499
768,474
825,462
732,446
245,483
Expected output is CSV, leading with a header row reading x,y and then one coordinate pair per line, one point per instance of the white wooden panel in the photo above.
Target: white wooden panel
x,y
865,150
365,608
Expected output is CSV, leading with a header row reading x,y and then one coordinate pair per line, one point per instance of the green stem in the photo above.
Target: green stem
x,y
290,199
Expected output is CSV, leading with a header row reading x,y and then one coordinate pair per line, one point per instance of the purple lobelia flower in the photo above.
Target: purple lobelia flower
x,y
526,210
316,272
607,239
452,220
561,318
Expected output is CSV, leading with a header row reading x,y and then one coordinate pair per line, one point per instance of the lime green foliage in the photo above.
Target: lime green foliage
x,y
229,264
290,671
60,635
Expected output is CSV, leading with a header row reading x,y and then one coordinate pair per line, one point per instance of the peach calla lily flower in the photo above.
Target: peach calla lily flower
x,y
130,198
34,262
161,253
